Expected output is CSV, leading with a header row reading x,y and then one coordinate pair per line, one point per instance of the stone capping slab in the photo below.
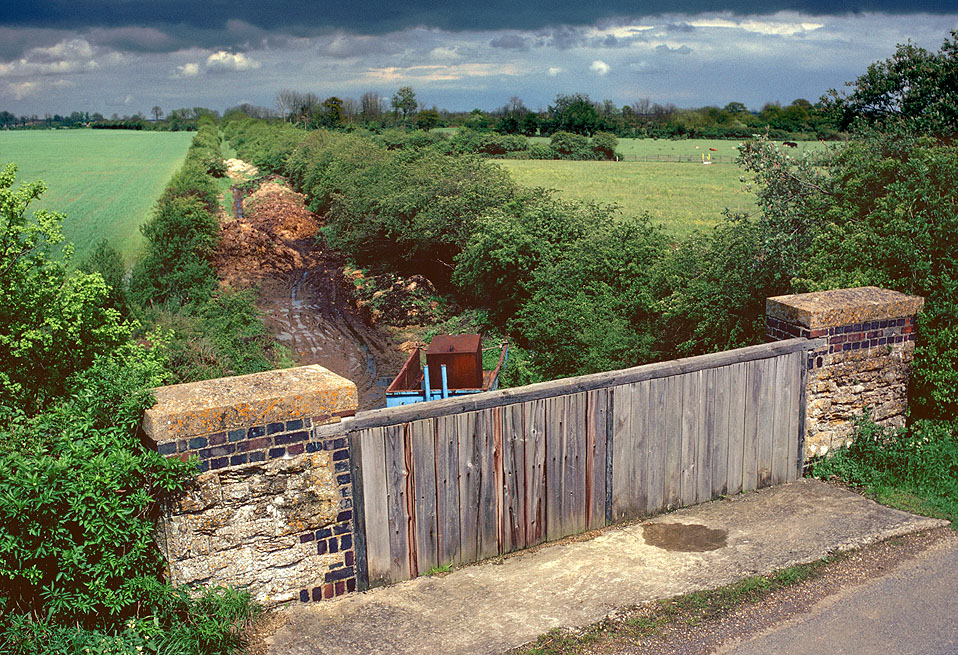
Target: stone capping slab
x,y
823,309
197,408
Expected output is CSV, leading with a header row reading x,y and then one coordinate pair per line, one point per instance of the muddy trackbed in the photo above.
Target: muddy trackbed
x,y
309,307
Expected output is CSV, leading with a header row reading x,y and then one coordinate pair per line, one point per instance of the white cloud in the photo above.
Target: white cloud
x,y
438,73
768,27
554,71
620,31
599,67
21,90
191,69
444,53
222,61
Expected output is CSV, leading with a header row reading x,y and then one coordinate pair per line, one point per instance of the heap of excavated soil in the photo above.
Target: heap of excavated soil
x,y
263,242
237,169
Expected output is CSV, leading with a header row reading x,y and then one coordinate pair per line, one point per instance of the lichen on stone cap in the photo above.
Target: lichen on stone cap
x,y
822,309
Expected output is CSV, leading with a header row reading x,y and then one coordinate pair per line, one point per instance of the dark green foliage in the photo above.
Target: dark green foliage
x,y
176,268
603,146
710,289
106,261
53,323
589,309
891,222
915,468
77,505
914,88
567,145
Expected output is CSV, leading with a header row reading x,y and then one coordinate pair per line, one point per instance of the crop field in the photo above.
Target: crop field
x,y
681,197
105,181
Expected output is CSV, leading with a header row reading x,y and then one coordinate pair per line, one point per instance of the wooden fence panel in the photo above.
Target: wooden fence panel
x,y
424,472
623,446
596,478
514,479
447,490
766,420
555,464
737,426
657,434
691,422
793,450
397,478
489,484
458,488
469,483
533,418
717,425
673,438
375,505
754,379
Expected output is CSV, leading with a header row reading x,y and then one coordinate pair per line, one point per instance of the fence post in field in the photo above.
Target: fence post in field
x,y
271,507
864,364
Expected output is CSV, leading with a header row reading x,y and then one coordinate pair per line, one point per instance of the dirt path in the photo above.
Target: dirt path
x,y
308,305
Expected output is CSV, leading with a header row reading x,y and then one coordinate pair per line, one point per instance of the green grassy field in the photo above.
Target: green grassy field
x,y
682,197
725,150
105,181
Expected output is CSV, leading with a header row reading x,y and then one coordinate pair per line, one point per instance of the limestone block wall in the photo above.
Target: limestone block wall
x,y
271,507
865,363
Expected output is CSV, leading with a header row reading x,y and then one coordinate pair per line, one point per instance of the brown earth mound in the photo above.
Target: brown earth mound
x,y
271,238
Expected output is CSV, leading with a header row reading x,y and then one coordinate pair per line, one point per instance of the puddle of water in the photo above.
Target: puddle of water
x,y
686,538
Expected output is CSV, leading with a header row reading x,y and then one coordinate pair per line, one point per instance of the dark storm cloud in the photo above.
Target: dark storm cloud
x,y
306,18
510,42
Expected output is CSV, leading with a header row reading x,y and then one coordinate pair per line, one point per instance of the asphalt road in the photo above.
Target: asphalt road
x,y
911,610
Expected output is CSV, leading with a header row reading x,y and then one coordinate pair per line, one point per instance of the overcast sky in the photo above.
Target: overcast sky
x,y
124,56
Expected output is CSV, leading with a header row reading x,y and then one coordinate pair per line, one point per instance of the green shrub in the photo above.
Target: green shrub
x,y
915,467
53,323
180,240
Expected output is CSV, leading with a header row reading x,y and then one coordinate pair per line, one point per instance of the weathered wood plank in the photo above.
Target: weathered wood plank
x,y
447,489
783,408
533,417
490,485
476,402
766,420
555,460
597,439
375,505
424,465
706,425
737,424
397,476
575,516
719,426
514,472
639,492
691,420
796,410
673,435
469,483
622,446
657,437
753,409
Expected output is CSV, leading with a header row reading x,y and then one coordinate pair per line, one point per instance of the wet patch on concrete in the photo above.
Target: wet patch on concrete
x,y
685,538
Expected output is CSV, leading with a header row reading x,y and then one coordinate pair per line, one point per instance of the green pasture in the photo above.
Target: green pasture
x,y
682,197
725,150
105,181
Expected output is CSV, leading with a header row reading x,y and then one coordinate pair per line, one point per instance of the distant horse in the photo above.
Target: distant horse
x,y
789,144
